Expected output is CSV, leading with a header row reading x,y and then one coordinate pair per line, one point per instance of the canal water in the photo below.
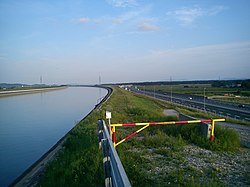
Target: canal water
x,y
31,124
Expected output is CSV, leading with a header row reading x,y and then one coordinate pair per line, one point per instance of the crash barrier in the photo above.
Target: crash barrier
x,y
115,175
145,125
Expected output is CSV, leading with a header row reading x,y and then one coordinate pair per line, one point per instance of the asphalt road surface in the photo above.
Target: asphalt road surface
x,y
217,107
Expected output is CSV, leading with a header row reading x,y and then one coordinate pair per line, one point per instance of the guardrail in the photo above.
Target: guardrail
x,y
115,175
201,109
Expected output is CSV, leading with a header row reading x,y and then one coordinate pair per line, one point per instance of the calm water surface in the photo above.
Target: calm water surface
x,y
31,124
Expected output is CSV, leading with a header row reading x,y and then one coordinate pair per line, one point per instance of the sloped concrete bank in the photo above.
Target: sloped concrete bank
x,y
29,91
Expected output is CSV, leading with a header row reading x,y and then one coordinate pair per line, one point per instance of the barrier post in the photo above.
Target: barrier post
x,y
212,132
113,136
213,126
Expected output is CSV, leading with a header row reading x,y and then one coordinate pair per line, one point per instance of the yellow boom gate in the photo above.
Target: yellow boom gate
x,y
145,125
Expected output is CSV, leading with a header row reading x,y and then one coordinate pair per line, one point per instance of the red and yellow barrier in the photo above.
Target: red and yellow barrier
x,y
145,125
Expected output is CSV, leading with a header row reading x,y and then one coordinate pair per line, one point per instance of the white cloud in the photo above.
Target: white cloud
x,y
215,10
188,15
147,27
84,20
131,15
122,3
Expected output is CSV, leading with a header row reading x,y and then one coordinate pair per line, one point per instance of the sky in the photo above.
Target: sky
x,y
78,41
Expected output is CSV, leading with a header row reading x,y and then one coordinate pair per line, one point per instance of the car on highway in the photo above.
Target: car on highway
x,y
241,106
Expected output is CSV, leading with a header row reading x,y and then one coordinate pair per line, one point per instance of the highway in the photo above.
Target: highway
x,y
197,102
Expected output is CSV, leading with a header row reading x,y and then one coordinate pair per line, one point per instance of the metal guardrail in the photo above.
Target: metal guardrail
x,y
115,175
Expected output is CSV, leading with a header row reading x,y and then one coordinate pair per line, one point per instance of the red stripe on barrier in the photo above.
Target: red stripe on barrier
x,y
181,122
212,138
131,135
128,124
114,137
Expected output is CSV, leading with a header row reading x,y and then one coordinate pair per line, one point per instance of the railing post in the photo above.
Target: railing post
x,y
100,134
106,163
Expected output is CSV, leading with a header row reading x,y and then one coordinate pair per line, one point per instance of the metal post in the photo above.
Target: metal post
x,y
204,102
106,163
110,130
114,136
212,133
171,88
108,116
154,91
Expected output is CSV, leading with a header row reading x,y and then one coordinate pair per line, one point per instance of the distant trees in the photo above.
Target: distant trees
x,y
245,84
218,84
231,83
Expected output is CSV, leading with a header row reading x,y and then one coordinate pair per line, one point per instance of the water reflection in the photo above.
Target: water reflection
x,y
31,124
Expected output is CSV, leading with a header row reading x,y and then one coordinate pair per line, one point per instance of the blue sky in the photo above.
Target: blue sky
x,y
75,41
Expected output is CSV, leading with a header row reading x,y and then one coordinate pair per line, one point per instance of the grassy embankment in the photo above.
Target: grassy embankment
x,y
80,162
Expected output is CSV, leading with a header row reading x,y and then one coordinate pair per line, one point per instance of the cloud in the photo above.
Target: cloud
x,y
131,15
84,20
215,10
188,15
122,3
147,27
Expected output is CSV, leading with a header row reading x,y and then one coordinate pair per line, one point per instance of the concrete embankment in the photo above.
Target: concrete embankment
x,y
31,176
29,91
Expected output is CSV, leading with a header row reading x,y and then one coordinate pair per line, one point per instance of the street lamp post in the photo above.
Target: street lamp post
x,y
204,102
171,89
154,91
171,93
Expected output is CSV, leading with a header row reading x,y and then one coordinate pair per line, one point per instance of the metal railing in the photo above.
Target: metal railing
x,y
115,175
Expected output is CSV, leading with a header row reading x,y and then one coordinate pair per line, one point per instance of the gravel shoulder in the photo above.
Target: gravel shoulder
x,y
243,130
167,167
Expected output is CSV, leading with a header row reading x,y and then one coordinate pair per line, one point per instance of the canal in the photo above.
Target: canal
x,y
31,124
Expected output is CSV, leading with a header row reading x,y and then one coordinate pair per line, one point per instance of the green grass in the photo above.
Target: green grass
x,y
79,163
